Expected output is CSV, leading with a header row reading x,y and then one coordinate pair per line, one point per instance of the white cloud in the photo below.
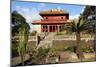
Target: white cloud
x,y
18,8
42,5
30,14
74,16
77,15
82,9
25,10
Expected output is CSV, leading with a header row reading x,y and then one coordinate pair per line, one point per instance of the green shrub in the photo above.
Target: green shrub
x,y
39,54
14,48
60,33
42,52
14,52
72,49
83,49
54,52
87,49
33,33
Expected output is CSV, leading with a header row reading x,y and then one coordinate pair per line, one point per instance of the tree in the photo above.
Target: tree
x,y
77,27
89,14
17,21
86,22
21,28
22,47
33,33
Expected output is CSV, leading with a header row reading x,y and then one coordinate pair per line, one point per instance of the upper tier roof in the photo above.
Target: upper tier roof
x,y
53,11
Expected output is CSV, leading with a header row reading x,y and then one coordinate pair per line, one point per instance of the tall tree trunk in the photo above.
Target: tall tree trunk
x,y
94,45
78,46
21,47
22,58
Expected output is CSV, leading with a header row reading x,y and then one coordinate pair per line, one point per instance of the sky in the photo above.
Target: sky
x,y
30,10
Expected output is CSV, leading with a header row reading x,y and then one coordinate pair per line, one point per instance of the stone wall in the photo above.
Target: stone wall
x,y
31,45
67,43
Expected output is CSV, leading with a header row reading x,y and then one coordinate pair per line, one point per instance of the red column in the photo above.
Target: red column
x,y
41,28
54,28
51,28
44,28
48,28
58,27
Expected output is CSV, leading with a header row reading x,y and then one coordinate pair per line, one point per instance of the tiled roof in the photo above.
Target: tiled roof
x,y
54,11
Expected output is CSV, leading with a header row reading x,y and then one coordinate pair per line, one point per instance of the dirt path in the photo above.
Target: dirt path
x,y
17,60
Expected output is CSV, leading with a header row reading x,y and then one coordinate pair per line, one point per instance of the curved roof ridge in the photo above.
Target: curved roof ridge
x,y
54,11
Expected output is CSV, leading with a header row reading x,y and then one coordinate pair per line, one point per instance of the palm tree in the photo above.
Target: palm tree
x,y
77,27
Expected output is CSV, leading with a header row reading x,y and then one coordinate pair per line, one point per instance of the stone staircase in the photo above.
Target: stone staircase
x,y
47,42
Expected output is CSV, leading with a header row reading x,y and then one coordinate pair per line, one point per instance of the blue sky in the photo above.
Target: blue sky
x,y
30,10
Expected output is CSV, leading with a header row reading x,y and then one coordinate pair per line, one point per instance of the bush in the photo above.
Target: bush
x,y
72,49
33,33
14,48
39,54
87,49
42,52
60,33
83,49
14,52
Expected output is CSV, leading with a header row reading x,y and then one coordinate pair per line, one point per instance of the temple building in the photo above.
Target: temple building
x,y
53,20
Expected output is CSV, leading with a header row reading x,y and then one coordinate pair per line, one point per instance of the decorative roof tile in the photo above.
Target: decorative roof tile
x,y
53,11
